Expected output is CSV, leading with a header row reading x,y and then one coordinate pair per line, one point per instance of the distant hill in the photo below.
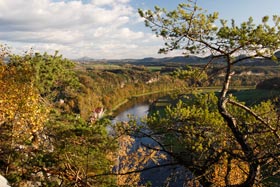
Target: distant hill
x,y
164,61
179,60
150,61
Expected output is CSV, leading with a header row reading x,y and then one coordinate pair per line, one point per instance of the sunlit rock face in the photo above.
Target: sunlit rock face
x,y
3,182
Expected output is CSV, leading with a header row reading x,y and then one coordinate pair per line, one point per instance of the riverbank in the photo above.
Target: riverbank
x,y
160,93
147,97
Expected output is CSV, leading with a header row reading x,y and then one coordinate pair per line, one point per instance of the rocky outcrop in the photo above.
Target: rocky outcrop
x,y
3,182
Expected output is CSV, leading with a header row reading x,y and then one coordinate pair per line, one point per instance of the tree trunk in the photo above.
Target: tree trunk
x,y
232,124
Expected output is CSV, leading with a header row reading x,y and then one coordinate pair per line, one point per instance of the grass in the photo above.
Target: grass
x,y
100,66
154,68
255,96
243,94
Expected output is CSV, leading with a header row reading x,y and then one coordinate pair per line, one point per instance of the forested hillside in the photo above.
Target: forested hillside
x,y
45,142
50,132
50,126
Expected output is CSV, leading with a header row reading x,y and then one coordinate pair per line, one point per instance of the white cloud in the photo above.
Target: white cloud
x,y
108,2
127,33
99,28
102,2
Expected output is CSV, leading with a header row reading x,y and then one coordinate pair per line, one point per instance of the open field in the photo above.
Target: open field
x,y
255,96
243,94
98,66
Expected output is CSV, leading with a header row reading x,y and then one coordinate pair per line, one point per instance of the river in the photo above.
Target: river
x,y
137,110
157,176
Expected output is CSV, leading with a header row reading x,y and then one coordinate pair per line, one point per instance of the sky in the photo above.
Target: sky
x,y
102,29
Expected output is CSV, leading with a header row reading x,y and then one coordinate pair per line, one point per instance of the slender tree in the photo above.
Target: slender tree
x,y
192,30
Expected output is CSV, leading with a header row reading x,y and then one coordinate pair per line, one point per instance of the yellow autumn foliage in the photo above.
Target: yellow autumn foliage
x,y
21,111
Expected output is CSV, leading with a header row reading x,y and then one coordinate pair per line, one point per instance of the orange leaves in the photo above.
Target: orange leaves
x,y
132,159
229,171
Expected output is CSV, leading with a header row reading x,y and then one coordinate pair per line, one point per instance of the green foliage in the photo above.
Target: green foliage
x,y
193,128
191,29
53,75
197,136
84,152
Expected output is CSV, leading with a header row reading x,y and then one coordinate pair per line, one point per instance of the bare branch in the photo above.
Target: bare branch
x,y
257,117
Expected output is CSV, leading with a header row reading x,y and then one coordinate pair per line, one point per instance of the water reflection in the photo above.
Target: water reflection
x,y
138,111
157,176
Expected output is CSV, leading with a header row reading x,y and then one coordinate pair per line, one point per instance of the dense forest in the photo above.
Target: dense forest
x,y
219,120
